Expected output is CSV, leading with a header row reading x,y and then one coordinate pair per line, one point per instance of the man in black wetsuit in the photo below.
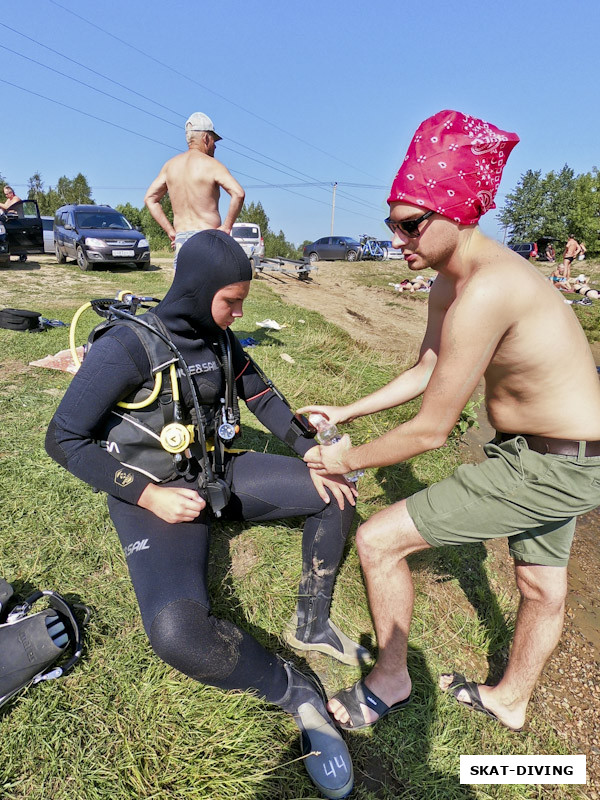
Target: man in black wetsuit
x,y
172,518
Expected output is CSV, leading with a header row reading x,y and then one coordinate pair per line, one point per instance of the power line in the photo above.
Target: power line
x,y
144,111
156,141
128,103
206,88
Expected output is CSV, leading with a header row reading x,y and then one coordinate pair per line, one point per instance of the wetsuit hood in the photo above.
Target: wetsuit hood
x,y
207,262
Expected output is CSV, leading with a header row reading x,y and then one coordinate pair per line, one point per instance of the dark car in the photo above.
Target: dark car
x,y
333,248
525,249
20,231
97,235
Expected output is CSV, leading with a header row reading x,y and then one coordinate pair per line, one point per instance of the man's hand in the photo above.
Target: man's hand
x,y
172,504
172,238
330,459
335,414
226,229
337,485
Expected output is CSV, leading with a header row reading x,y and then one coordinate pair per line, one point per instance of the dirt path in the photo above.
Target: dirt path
x,y
338,291
568,694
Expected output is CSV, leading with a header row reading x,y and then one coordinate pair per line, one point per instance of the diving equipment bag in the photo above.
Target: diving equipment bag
x,y
31,644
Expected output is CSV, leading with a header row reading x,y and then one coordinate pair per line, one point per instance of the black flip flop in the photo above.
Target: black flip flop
x,y
475,703
351,699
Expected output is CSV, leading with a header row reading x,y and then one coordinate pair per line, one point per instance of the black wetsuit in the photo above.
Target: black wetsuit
x,y
168,562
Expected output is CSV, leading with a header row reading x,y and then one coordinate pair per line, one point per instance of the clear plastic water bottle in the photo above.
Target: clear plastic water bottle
x,y
327,433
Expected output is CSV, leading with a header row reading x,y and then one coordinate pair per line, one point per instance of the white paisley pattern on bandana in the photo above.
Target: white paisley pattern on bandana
x,y
453,155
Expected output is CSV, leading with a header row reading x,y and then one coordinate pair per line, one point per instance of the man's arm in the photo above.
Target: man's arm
x,y
226,181
472,328
12,202
156,191
409,384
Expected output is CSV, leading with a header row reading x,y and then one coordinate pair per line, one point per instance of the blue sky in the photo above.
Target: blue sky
x,y
302,93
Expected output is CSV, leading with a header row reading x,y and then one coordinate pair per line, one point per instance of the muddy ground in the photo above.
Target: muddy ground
x,y
569,691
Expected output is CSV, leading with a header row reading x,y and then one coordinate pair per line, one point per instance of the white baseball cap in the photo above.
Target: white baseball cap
x,y
201,122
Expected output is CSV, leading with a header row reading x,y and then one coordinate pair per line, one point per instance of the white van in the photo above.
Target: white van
x,y
248,235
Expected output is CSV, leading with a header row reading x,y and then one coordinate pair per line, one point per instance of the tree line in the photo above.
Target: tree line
x,y
77,190
555,205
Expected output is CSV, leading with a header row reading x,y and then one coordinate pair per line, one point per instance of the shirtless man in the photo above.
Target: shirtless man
x,y
572,250
543,467
11,198
194,181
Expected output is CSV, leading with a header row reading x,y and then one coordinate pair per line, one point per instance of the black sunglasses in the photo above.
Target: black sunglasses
x,y
409,227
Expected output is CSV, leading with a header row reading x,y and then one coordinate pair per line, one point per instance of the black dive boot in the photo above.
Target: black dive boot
x,y
311,629
327,759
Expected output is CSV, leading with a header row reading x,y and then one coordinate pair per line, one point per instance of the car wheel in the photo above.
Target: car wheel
x,y
312,257
82,260
23,257
60,258
351,255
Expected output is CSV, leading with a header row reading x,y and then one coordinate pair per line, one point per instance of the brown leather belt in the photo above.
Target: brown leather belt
x,y
556,447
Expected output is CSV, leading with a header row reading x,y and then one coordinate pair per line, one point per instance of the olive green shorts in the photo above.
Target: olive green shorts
x,y
532,498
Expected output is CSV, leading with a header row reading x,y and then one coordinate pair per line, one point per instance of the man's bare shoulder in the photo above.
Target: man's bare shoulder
x,y
497,268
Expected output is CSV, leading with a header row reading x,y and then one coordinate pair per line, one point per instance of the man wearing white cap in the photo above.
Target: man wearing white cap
x,y
193,181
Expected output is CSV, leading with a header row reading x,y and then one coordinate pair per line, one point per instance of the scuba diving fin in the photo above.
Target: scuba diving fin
x,y
31,643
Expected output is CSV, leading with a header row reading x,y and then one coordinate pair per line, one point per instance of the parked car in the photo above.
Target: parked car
x,y
525,249
389,252
20,231
248,235
48,229
97,235
333,248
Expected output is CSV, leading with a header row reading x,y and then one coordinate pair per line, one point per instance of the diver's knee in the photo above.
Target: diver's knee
x,y
187,637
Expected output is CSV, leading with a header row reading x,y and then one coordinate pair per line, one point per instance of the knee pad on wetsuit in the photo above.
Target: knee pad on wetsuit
x,y
189,638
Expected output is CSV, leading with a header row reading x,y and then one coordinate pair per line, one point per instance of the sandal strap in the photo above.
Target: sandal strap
x,y
359,693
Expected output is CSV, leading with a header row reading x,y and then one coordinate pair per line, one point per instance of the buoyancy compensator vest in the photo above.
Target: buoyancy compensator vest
x,y
151,431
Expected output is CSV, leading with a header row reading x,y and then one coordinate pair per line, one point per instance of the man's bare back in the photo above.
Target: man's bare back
x,y
194,181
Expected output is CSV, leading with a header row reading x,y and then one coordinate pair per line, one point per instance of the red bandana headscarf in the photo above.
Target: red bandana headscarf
x,y
453,166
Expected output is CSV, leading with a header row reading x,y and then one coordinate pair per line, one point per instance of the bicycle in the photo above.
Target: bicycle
x,y
371,248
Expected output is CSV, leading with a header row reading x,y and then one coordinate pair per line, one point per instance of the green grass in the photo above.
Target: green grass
x,y
124,725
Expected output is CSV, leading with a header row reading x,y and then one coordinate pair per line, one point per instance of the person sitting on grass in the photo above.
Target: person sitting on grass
x,y
543,466
162,507
559,279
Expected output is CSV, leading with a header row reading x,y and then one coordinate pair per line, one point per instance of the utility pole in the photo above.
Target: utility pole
x,y
333,206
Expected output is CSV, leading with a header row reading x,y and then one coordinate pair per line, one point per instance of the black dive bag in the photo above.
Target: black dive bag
x,y
32,644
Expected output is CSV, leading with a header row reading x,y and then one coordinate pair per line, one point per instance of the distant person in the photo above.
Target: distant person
x,y
11,199
550,252
543,466
582,287
193,181
582,251
572,250
418,284
559,279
